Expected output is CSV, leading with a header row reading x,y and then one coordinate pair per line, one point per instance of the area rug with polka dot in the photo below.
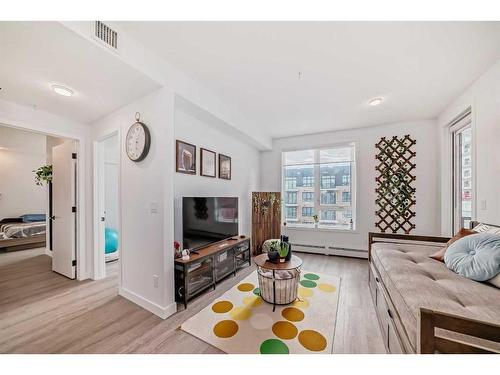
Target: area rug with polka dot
x,y
240,321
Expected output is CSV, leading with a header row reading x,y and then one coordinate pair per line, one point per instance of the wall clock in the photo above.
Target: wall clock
x,y
138,140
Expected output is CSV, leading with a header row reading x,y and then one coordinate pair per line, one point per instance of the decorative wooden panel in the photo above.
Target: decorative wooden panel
x,y
395,193
266,218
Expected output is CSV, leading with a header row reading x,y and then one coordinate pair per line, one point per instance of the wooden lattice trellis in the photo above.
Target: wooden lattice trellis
x,y
395,193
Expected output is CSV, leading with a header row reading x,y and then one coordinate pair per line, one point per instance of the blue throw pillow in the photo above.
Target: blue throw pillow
x,y
476,257
29,218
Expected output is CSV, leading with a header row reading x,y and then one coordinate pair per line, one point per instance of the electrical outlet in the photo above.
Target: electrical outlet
x,y
154,207
155,281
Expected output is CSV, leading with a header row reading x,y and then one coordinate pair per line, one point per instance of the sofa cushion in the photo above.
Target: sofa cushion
x,y
476,257
413,280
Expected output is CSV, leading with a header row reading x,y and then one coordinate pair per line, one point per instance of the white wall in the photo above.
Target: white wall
x,y
146,209
427,183
202,131
483,96
21,153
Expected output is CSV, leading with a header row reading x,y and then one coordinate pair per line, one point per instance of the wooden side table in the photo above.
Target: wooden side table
x,y
285,282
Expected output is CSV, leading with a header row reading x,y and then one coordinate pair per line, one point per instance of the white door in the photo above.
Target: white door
x,y
64,209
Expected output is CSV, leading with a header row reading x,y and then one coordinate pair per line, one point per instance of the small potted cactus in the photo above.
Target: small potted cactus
x,y
283,251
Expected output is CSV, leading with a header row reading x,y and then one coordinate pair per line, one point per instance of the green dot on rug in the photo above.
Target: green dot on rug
x,y
311,276
273,346
256,291
308,283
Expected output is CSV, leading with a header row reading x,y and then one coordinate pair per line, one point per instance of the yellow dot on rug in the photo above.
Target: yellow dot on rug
x,y
292,314
285,330
312,340
241,313
252,301
327,288
245,287
222,307
305,292
225,329
302,304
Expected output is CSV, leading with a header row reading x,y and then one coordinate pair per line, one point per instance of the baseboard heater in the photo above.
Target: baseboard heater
x,y
329,250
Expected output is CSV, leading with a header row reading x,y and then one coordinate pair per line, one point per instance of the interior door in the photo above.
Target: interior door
x,y
64,209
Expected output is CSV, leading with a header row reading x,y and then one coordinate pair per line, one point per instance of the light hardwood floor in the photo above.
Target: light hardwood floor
x,y
43,312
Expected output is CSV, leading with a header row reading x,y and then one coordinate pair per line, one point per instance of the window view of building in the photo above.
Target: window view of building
x,y
291,197
332,199
308,196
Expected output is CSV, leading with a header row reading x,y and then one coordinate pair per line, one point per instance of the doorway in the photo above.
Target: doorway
x,y
38,201
106,204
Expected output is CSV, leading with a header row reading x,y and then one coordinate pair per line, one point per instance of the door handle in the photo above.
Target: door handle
x,y
53,217
103,218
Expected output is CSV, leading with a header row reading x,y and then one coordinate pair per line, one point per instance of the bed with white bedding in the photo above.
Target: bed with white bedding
x,y
22,235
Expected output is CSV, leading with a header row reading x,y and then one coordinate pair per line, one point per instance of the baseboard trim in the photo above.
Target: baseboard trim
x,y
162,312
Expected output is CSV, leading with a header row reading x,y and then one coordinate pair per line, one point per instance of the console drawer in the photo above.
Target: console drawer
x,y
393,342
372,283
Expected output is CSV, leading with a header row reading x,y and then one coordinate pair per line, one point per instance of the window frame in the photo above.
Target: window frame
x,y
353,207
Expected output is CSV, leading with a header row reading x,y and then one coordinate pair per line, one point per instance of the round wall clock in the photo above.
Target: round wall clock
x,y
138,140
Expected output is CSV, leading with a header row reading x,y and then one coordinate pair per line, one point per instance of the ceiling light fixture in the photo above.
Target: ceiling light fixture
x,y
375,101
61,90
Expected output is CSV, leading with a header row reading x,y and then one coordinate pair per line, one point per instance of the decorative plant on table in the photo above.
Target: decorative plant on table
x,y
316,220
43,175
283,250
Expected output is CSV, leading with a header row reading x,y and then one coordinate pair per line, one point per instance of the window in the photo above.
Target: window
x,y
347,215
328,215
327,182
307,211
291,183
308,197
328,197
291,212
291,197
326,173
461,135
308,181
346,196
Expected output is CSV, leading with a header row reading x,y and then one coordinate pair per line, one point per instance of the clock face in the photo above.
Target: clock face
x,y
137,142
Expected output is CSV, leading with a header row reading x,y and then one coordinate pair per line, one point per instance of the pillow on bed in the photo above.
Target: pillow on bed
x,y
439,255
29,218
476,257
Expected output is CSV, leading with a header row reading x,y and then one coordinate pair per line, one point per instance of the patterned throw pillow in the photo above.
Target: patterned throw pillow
x,y
485,228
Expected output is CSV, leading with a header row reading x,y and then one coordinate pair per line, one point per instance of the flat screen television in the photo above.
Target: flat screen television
x,y
206,220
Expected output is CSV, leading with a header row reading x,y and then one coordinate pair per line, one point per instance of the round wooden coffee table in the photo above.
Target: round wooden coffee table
x,y
278,282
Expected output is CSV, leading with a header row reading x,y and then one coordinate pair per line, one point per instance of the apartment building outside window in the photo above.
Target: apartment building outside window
x,y
308,197
323,180
291,197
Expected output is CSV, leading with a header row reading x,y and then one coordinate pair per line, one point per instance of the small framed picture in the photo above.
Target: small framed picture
x,y
207,163
185,159
224,167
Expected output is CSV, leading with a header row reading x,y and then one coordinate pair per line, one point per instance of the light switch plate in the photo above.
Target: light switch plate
x,y
483,204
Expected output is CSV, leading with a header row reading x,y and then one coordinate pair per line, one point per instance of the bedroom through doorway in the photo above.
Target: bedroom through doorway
x,y
38,203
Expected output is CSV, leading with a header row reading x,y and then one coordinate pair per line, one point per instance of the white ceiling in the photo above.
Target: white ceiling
x,y
417,67
35,55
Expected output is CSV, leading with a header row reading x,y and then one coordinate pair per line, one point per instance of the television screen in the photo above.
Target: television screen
x,y
206,220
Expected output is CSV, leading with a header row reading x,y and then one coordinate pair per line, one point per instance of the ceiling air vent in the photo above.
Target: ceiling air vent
x,y
106,34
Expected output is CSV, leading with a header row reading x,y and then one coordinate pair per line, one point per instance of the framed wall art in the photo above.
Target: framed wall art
x,y
207,163
224,167
185,159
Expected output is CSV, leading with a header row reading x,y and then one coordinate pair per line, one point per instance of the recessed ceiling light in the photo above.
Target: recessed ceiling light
x,y
375,101
61,90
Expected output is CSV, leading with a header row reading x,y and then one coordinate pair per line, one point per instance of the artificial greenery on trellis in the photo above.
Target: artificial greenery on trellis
x,y
395,193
